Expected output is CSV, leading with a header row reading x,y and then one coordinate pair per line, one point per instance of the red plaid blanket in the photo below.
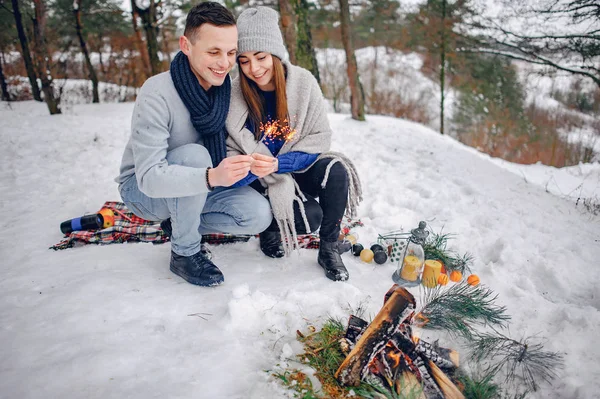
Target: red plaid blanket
x,y
130,228
127,228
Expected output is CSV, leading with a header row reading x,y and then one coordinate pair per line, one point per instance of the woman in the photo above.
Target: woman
x,y
291,171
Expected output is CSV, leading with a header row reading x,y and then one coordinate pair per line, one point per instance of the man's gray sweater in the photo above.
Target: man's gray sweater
x,y
161,123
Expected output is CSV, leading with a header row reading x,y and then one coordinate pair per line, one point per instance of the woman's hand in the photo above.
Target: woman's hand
x,y
263,165
230,170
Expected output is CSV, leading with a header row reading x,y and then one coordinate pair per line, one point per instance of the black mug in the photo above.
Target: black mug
x,y
87,222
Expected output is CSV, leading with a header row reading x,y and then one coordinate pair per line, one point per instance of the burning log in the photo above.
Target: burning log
x,y
442,357
399,306
356,326
385,354
430,387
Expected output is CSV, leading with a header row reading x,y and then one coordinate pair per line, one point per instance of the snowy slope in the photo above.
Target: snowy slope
x,y
397,78
114,322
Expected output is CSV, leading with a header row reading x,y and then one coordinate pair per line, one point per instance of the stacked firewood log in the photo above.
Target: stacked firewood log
x,y
385,353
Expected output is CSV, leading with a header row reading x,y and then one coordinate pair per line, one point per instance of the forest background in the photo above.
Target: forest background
x,y
516,80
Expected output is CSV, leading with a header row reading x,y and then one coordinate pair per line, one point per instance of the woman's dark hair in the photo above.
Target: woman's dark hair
x,y
256,108
208,12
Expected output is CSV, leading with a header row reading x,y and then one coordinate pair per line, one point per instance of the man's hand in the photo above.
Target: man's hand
x,y
230,171
263,165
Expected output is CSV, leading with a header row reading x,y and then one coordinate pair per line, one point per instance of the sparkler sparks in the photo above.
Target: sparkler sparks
x,y
276,130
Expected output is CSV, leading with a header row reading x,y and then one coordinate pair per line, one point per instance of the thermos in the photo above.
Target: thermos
x,y
87,222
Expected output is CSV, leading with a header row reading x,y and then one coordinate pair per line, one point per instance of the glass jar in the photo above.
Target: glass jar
x,y
410,265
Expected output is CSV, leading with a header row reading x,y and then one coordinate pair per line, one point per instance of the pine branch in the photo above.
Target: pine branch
x,y
523,360
458,308
435,248
480,387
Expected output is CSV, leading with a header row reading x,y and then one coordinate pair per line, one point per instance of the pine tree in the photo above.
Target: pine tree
x,y
490,104
437,27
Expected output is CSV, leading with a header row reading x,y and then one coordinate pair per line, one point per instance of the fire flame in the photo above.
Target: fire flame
x,y
395,356
276,130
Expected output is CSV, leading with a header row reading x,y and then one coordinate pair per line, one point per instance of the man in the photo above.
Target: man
x,y
174,167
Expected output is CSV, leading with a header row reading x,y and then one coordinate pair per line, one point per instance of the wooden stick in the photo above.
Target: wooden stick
x,y
396,309
446,385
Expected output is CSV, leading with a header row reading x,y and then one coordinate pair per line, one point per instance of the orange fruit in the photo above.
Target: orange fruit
x,y
443,279
108,217
473,279
443,267
455,276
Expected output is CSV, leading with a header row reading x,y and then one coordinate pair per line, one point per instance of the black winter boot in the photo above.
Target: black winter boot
x,y
271,245
166,227
330,260
196,269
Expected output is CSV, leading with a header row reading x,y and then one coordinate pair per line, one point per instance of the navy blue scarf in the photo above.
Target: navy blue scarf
x,y
208,110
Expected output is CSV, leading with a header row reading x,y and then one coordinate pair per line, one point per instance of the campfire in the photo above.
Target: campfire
x,y
385,353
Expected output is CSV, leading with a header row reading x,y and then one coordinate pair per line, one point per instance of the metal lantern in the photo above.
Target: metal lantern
x,y
410,263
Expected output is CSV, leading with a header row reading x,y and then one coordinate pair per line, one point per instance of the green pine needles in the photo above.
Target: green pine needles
x,y
458,308
435,247
323,350
461,310
480,387
522,360
410,391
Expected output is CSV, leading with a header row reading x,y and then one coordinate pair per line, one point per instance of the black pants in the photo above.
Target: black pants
x,y
329,210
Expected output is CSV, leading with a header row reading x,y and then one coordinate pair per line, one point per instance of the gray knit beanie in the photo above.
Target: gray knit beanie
x,y
258,30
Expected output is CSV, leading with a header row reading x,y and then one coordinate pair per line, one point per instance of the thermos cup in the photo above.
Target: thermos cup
x,y
87,222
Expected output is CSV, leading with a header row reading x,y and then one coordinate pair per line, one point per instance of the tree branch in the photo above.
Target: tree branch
x,y
6,8
538,60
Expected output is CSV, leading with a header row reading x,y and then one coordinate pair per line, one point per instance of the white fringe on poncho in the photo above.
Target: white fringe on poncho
x,y
307,111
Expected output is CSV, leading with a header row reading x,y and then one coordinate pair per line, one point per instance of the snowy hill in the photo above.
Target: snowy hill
x,y
114,322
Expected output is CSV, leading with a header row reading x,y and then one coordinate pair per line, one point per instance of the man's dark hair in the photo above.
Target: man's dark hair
x,y
208,12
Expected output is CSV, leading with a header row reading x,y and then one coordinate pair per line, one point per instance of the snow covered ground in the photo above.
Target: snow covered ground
x,y
75,91
114,322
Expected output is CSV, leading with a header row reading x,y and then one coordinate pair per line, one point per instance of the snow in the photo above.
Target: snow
x,y
113,321
76,91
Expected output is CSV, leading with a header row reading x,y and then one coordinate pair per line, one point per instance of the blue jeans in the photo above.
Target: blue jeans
x,y
225,210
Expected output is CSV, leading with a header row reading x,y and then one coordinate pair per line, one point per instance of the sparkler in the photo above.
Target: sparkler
x,y
276,130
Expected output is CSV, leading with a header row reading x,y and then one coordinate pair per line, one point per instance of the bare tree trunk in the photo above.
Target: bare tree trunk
x,y
305,52
148,16
43,57
357,95
139,41
84,50
443,66
35,90
3,84
288,27
101,58
165,43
